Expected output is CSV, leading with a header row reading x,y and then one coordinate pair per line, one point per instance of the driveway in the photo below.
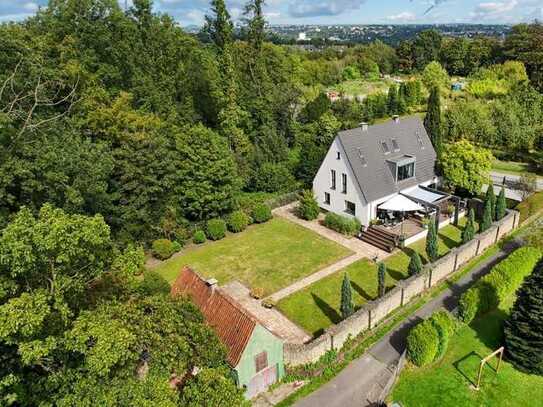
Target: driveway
x,y
362,382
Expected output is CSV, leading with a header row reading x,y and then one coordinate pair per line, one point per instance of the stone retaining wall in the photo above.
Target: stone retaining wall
x,y
376,311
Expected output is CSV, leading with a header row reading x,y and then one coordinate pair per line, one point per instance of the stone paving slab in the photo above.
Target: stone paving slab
x,y
270,318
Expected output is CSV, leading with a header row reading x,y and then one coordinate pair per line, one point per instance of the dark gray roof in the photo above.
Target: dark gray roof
x,y
375,175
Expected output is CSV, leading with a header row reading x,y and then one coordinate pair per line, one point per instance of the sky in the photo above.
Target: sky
x,y
190,12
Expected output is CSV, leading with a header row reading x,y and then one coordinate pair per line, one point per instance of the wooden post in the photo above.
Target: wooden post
x,y
484,361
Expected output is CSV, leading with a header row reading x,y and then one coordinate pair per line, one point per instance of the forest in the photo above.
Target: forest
x,y
118,128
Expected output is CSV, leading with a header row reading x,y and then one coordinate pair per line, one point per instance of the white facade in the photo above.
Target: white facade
x,y
336,160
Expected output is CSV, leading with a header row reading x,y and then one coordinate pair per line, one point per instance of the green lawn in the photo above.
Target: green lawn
x,y
362,87
532,205
446,383
511,167
317,307
272,256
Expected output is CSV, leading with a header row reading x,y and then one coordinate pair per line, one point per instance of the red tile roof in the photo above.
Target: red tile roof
x,y
232,324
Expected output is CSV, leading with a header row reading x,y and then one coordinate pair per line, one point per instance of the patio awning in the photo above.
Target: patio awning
x,y
424,195
400,203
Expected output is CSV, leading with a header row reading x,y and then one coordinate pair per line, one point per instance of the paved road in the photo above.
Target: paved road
x,y
497,178
361,383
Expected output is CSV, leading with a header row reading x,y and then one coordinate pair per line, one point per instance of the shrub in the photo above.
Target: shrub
x,y
237,221
502,281
422,343
163,249
342,224
176,246
445,326
261,213
216,229
432,248
153,283
308,208
415,264
257,292
199,237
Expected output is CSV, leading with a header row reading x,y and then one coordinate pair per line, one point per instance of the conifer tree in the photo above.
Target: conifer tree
x,y
346,307
431,241
501,205
392,101
432,121
415,264
524,328
491,196
381,272
469,230
487,217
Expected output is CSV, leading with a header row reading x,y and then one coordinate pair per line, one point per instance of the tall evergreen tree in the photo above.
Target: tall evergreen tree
x,y
487,217
346,307
392,101
469,230
415,264
431,241
254,17
381,273
219,25
501,205
491,197
524,328
432,121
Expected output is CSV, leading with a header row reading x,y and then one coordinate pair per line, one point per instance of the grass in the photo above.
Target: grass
x,y
362,87
317,307
530,206
447,382
271,256
511,167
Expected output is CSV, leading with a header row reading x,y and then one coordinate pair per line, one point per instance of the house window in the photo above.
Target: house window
x,y
333,172
385,148
350,208
327,198
406,171
338,155
261,361
395,145
344,183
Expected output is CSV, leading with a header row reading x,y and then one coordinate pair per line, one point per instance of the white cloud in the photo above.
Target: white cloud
x,y
492,10
403,16
315,8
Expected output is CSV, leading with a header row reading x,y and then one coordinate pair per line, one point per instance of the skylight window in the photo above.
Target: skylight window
x,y
385,148
362,157
419,138
395,145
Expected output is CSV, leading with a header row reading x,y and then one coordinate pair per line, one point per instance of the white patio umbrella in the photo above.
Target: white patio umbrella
x,y
400,203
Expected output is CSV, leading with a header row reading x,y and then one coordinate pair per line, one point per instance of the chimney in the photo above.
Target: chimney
x,y
212,283
396,118
364,126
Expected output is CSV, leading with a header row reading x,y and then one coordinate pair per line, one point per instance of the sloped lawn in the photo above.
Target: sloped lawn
x,y
317,307
272,256
447,382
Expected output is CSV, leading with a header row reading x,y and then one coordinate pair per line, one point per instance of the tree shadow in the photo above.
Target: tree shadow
x,y
363,293
396,274
447,241
473,359
327,310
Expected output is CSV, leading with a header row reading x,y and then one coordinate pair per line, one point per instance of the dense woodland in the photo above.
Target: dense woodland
x,y
118,128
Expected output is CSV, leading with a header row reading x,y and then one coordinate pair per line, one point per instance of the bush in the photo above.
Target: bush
x,y
163,249
342,224
502,281
261,213
445,326
199,237
216,229
423,343
257,292
153,284
176,246
237,221
308,208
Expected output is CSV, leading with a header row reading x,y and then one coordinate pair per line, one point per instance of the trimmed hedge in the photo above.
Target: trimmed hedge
x,y
428,341
423,343
342,224
163,249
216,229
237,222
261,213
502,281
153,284
199,237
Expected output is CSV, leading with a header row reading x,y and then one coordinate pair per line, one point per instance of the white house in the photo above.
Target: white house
x,y
367,166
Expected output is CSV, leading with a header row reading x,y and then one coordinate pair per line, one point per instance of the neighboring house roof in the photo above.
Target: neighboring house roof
x,y
232,324
373,168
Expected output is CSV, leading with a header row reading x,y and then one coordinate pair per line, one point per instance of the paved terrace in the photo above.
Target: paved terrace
x,y
361,250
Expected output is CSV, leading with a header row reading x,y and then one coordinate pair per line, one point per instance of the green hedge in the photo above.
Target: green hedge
x,y
502,281
428,341
261,213
216,229
237,221
199,237
342,224
163,249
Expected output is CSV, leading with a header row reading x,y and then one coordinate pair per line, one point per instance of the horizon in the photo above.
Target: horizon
x,y
335,12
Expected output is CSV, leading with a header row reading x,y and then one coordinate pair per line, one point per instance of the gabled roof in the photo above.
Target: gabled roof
x,y
374,173
232,324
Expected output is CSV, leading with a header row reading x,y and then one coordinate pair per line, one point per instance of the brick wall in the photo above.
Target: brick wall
x,y
442,268
466,252
296,354
383,306
350,327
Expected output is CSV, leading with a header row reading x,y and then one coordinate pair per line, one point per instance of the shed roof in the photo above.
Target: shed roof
x,y
374,174
232,324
